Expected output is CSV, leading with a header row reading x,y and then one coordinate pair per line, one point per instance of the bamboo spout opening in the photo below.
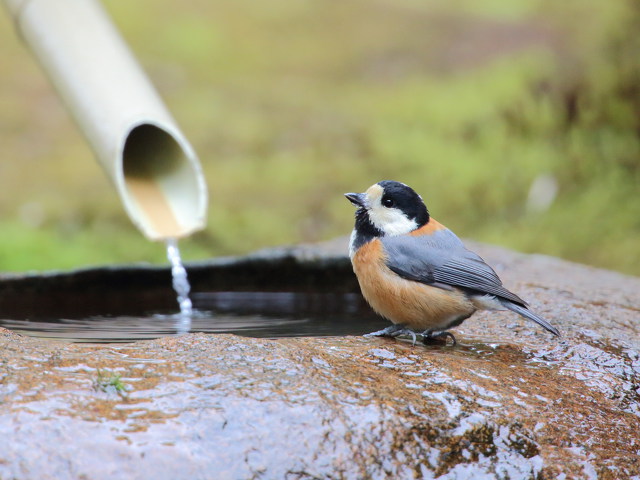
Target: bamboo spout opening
x,y
163,189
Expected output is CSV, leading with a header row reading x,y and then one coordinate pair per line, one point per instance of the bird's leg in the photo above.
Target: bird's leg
x,y
428,336
394,331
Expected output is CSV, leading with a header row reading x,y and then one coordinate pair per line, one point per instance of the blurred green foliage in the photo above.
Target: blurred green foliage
x,y
290,103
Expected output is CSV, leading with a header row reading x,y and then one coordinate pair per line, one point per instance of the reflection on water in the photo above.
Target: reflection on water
x,y
254,314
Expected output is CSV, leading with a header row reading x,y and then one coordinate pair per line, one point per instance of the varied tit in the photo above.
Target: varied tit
x,y
416,272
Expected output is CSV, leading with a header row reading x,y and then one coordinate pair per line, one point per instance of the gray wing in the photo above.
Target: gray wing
x,y
441,259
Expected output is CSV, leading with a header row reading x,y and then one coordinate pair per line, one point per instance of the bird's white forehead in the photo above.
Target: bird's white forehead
x,y
374,193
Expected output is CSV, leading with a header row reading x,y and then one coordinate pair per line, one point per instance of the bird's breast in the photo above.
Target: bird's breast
x,y
411,303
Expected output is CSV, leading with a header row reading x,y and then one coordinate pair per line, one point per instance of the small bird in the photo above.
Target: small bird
x,y
416,272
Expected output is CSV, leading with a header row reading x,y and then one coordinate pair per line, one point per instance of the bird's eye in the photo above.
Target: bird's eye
x,y
388,202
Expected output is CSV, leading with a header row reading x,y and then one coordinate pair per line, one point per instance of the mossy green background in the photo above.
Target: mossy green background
x,y
291,103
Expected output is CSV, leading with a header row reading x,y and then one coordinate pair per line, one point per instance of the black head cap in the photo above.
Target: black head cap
x,y
404,198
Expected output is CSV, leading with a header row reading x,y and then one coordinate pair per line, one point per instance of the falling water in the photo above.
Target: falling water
x,y
179,277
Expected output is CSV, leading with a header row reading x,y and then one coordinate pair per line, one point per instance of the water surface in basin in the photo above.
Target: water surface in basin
x,y
253,314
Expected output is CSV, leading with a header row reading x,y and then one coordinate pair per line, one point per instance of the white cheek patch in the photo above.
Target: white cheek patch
x,y
391,221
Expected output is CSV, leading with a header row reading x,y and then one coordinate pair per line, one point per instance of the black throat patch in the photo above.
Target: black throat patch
x,y
365,230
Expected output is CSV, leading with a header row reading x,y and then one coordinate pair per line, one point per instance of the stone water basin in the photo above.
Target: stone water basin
x,y
508,402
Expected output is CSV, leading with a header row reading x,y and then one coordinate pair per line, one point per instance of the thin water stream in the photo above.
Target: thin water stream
x,y
179,278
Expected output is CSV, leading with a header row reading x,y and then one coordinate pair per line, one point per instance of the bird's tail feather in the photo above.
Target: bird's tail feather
x,y
528,314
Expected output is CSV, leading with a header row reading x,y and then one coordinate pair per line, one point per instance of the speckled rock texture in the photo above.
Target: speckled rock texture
x,y
508,402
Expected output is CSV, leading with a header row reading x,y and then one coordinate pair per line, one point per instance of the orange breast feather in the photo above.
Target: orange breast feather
x,y
416,305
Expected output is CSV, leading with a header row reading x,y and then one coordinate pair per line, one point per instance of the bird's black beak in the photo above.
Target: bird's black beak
x,y
358,199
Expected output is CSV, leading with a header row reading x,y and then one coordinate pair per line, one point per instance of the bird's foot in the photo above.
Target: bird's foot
x,y
394,331
438,338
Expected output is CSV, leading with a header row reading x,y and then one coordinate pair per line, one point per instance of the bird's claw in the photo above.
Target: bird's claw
x,y
391,331
394,331
406,331
428,336
385,332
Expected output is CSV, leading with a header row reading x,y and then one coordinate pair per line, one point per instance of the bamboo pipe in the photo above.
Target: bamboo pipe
x,y
152,165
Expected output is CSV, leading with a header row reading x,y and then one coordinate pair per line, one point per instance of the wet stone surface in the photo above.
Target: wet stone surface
x,y
508,402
